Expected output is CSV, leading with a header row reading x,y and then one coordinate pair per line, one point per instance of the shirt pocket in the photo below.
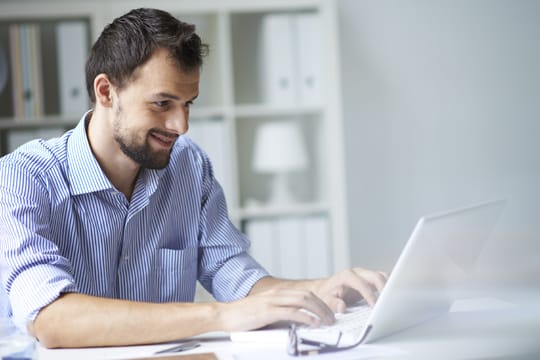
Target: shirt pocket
x,y
176,273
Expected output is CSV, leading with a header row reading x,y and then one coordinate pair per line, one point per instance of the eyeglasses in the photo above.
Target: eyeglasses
x,y
315,347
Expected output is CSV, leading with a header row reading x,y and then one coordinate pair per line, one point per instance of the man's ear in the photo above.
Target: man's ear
x,y
103,90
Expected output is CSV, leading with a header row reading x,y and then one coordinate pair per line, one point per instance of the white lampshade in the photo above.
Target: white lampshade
x,y
279,150
279,147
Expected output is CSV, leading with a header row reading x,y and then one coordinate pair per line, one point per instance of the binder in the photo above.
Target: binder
x,y
35,67
26,70
72,49
16,70
26,94
317,253
309,58
217,148
211,136
264,245
292,248
278,77
6,93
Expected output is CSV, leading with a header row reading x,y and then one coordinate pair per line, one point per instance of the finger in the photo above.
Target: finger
x,y
296,315
339,305
359,283
297,299
318,308
376,279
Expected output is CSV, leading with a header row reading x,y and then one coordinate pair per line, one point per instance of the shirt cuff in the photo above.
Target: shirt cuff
x,y
236,277
36,288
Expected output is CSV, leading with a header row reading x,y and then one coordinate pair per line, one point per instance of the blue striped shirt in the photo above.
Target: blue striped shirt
x,y
65,228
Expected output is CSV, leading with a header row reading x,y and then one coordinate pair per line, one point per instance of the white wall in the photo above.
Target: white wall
x,y
442,109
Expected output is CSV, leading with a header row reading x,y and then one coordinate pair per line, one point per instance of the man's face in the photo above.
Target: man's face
x,y
152,110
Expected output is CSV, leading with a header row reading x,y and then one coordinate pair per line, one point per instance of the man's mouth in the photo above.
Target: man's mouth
x,y
165,140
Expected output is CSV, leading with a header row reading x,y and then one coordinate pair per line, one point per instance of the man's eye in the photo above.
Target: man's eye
x,y
161,104
189,104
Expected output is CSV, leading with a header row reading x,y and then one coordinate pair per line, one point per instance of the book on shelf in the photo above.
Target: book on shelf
x,y
26,70
6,96
291,247
45,68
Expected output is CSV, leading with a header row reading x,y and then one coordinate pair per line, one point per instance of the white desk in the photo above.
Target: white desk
x,y
490,333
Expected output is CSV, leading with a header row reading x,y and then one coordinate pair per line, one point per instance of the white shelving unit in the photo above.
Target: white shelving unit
x,y
231,102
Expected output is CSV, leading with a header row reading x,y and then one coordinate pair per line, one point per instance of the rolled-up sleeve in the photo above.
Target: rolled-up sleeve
x,y
226,269
33,272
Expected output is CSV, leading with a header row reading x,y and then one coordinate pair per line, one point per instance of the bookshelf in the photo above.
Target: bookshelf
x,y
44,92
236,100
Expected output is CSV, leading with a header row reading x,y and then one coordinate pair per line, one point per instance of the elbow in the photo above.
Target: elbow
x,y
48,336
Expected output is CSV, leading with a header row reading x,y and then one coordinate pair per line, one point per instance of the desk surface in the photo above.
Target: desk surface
x,y
492,333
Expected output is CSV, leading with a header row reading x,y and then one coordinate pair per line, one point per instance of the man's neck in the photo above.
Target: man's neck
x,y
120,170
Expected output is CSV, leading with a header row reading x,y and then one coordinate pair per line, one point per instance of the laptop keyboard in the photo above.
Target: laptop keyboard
x,y
350,324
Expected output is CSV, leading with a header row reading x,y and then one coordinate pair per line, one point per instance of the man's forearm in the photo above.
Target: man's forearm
x,y
269,282
76,320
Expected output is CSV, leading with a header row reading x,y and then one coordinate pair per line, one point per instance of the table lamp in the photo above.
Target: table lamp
x,y
279,150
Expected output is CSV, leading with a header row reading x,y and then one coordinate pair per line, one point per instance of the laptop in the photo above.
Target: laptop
x,y
434,265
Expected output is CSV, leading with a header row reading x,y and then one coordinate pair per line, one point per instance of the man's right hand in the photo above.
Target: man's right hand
x,y
273,305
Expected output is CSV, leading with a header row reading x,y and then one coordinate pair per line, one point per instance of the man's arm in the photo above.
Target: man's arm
x,y
77,320
336,291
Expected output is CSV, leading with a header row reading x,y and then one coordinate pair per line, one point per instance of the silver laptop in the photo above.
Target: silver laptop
x,y
440,254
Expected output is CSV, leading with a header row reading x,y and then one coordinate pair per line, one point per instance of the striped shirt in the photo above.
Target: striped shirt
x,y
65,228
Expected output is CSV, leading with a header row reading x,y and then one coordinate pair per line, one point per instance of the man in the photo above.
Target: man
x,y
105,230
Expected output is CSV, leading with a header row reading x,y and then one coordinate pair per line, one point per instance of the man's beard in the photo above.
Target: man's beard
x,y
139,149
143,155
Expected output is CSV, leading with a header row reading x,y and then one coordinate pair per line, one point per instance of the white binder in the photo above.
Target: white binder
x,y
292,250
264,244
317,252
211,135
72,48
310,57
278,76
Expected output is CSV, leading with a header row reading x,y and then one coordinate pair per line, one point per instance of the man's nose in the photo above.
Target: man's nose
x,y
178,122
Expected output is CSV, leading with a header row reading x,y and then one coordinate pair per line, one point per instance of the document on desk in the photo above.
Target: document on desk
x,y
200,356
357,353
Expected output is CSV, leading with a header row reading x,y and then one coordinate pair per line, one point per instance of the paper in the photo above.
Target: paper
x,y
202,356
357,353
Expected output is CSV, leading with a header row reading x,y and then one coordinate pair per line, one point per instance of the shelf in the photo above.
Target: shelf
x,y
269,111
45,121
254,212
206,113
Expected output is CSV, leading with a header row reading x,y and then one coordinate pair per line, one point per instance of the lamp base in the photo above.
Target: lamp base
x,y
280,193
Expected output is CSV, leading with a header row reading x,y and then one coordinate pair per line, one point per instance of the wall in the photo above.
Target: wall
x,y
442,109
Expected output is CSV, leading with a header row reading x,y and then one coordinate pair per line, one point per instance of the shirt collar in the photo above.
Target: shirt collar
x,y
85,173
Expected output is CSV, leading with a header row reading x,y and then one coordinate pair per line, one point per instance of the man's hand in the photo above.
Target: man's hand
x,y
275,304
349,286
310,302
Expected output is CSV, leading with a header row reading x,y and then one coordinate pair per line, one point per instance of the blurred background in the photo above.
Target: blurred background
x,y
441,110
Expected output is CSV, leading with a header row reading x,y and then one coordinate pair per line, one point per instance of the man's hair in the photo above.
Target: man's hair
x,y
130,40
